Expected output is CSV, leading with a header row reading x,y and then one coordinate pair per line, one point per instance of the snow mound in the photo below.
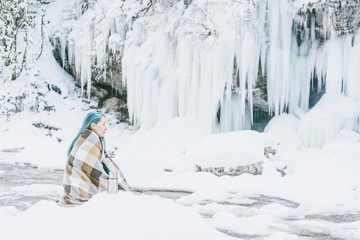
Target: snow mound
x,y
329,176
347,134
346,148
121,216
282,123
8,211
277,210
282,135
229,149
256,225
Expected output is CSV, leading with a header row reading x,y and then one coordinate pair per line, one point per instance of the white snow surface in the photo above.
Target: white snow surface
x,y
123,216
228,149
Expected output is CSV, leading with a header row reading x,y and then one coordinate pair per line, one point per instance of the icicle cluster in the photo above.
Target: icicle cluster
x,y
204,59
200,62
181,63
93,35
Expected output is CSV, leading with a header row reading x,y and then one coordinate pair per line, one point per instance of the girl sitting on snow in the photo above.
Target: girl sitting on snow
x,y
88,166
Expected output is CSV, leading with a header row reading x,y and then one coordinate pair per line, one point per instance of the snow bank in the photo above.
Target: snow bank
x,y
282,136
228,149
347,149
5,212
212,194
122,216
348,134
277,210
324,179
160,147
257,225
282,124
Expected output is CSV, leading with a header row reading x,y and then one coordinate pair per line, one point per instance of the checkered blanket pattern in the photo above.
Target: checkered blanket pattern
x,y
84,175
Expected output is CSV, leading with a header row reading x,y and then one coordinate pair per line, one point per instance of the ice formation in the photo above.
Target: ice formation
x,y
93,35
330,115
193,75
203,60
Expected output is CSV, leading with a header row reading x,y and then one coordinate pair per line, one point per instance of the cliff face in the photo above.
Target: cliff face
x,y
342,16
229,64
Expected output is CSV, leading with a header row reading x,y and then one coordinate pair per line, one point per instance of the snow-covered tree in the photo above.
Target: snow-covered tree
x,y
15,21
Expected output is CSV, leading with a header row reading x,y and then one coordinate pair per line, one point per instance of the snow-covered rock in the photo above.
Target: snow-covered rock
x,y
229,153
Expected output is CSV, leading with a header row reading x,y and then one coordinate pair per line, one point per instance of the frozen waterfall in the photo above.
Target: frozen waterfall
x,y
181,69
204,61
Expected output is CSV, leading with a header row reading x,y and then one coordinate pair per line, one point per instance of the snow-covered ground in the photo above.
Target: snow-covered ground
x,y
317,198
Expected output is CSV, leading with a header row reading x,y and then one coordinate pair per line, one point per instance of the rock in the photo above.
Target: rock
x,y
253,168
98,92
47,127
270,150
12,150
111,105
344,16
95,102
118,107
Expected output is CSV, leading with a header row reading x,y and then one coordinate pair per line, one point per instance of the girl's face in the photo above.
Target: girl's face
x,y
100,127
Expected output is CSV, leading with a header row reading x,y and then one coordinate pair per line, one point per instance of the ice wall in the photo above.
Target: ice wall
x,y
203,60
184,65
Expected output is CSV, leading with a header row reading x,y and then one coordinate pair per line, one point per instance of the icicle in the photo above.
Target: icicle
x,y
352,69
334,71
63,43
280,31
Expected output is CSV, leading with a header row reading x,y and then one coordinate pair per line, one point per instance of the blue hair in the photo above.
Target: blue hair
x,y
91,117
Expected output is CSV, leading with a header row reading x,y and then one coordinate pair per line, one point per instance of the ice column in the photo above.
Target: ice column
x,y
280,16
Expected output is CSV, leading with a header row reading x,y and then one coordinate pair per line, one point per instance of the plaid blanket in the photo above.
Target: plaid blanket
x,y
84,174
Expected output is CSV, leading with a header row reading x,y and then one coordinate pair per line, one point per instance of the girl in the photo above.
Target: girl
x,y
88,166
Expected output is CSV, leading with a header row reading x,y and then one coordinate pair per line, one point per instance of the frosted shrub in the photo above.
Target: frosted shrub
x,y
16,19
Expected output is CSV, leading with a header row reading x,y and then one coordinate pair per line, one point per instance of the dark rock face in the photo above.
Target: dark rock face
x,y
344,16
117,107
111,76
104,83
